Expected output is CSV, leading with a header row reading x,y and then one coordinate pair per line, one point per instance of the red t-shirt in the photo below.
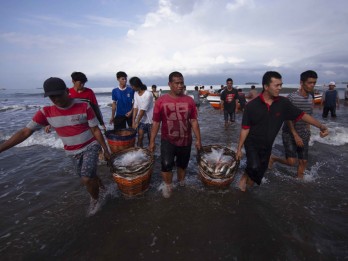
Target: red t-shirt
x,y
87,94
175,115
72,124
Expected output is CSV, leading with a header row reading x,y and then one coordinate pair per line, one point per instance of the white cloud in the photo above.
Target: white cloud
x,y
274,63
237,4
200,37
329,73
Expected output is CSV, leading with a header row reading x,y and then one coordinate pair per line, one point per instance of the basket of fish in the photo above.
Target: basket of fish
x,y
132,169
217,166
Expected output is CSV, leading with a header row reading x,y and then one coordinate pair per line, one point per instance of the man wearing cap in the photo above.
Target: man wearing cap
x,y
329,100
79,91
77,126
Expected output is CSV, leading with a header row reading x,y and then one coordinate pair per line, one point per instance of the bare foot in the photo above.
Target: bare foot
x,y
270,162
101,155
242,183
167,190
300,176
249,182
100,183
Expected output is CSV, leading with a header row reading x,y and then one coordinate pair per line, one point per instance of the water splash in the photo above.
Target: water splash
x,y
94,207
312,174
338,135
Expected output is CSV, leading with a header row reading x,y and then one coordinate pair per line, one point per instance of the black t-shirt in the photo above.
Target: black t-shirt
x,y
264,121
229,98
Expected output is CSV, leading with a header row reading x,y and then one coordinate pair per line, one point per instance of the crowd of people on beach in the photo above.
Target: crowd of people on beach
x,y
75,116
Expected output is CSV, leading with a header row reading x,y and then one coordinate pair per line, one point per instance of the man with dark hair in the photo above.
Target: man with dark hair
x,y
262,119
196,97
252,93
79,91
76,125
178,114
154,92
229,102
296,134
142,109
242,99
122,103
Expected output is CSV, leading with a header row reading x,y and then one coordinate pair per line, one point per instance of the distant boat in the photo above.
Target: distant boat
x,y
214,100
203,93
317,96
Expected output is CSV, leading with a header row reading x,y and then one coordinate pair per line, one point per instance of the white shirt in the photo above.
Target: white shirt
x,y
145,103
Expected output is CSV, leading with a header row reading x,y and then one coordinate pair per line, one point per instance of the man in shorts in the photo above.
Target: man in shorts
x,y
77,126
178,114
262,118
142,109
122,103
229,102
330,100
296,135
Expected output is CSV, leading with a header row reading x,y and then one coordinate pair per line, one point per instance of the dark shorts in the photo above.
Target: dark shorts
x,y
86,162
145,127
169,152
331,109
229,114
257,161
292,150
121,122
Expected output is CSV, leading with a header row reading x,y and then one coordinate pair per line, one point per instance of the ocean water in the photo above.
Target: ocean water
x,y
45,210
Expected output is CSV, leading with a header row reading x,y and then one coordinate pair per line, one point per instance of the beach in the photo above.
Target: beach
x,y
45,210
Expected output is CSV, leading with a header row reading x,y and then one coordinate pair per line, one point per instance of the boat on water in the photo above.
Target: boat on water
x,y
203,93
214,100
317,98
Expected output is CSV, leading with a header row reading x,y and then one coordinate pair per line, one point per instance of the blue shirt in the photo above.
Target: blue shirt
x,y
124,100
330,98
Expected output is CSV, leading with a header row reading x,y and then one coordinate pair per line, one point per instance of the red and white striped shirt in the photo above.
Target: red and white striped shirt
x,y
72,124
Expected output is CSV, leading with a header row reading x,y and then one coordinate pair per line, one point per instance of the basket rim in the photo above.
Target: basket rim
x,y
112,134
122,152
145,173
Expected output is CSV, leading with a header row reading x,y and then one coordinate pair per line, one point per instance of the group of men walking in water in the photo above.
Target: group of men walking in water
x,y
76,123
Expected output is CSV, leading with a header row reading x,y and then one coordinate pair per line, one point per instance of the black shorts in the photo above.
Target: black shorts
x,y
257,161
169,152
292,150
121,122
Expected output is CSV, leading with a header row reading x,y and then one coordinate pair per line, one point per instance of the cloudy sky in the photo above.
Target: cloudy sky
x,y
207,40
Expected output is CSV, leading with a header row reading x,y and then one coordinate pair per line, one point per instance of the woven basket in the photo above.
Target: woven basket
x,y
207,177
122,139
136,183
223,183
